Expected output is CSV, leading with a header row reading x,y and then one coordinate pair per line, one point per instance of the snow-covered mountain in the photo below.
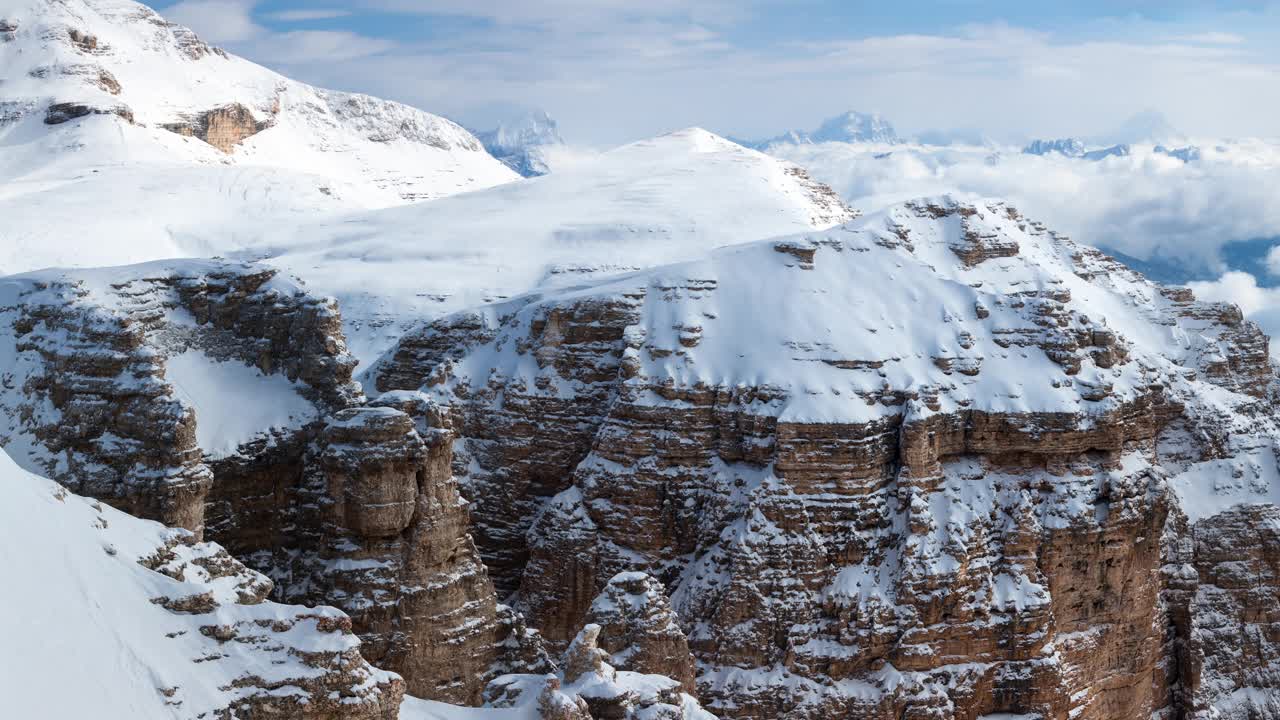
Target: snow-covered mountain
x,y
855,127
938,462
104,98
521,141
847,127
660,200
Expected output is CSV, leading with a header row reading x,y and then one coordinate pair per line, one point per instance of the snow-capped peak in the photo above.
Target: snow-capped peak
x,y
847,127
529,129
518,142
1148,126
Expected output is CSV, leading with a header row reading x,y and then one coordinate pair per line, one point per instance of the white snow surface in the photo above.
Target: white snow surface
x,y
234,402
417,709
133,191
662,200
82,637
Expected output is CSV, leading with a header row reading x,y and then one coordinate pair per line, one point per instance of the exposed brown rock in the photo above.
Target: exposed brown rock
x,y
223,127
391,548
83,41
1226,604
639,630
59,113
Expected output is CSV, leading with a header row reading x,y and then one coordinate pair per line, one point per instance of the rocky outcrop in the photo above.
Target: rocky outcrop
x,y
91,74
1224,589
88,392
85,42
343,504
222,127
639,631
964,511
59,113
325,678
589,688
390,546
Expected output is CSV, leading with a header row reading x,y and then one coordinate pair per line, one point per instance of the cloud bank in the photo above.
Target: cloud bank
x,y
1146,205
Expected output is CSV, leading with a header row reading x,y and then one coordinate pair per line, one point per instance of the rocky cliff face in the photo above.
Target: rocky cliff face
x,y
218,397
935,464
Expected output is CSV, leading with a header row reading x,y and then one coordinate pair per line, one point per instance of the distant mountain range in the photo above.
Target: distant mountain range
x,y
848,127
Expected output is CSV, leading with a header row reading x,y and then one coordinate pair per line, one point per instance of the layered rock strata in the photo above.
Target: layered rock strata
x,y
87,392
975,507
342,504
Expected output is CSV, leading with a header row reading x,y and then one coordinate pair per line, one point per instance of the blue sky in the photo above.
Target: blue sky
x,y
615,70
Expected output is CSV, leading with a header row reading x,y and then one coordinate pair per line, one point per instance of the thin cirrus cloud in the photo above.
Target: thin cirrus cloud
x,y
305,14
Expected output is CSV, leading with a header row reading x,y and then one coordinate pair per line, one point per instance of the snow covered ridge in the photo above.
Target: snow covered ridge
x,y
112,616
1006,306
940,458
104,98
661,200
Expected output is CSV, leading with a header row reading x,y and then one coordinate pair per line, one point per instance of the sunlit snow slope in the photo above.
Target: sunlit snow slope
x,y
126,138
108,616
661,200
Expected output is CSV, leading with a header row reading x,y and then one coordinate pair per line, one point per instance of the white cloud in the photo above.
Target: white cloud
x,y
221,22
1215,38
230,23
616,70
308,14
1144,205
1238,288
305,46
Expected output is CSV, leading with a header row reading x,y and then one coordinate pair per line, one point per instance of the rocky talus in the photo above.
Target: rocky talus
x,y
939,463
341,503
329,680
